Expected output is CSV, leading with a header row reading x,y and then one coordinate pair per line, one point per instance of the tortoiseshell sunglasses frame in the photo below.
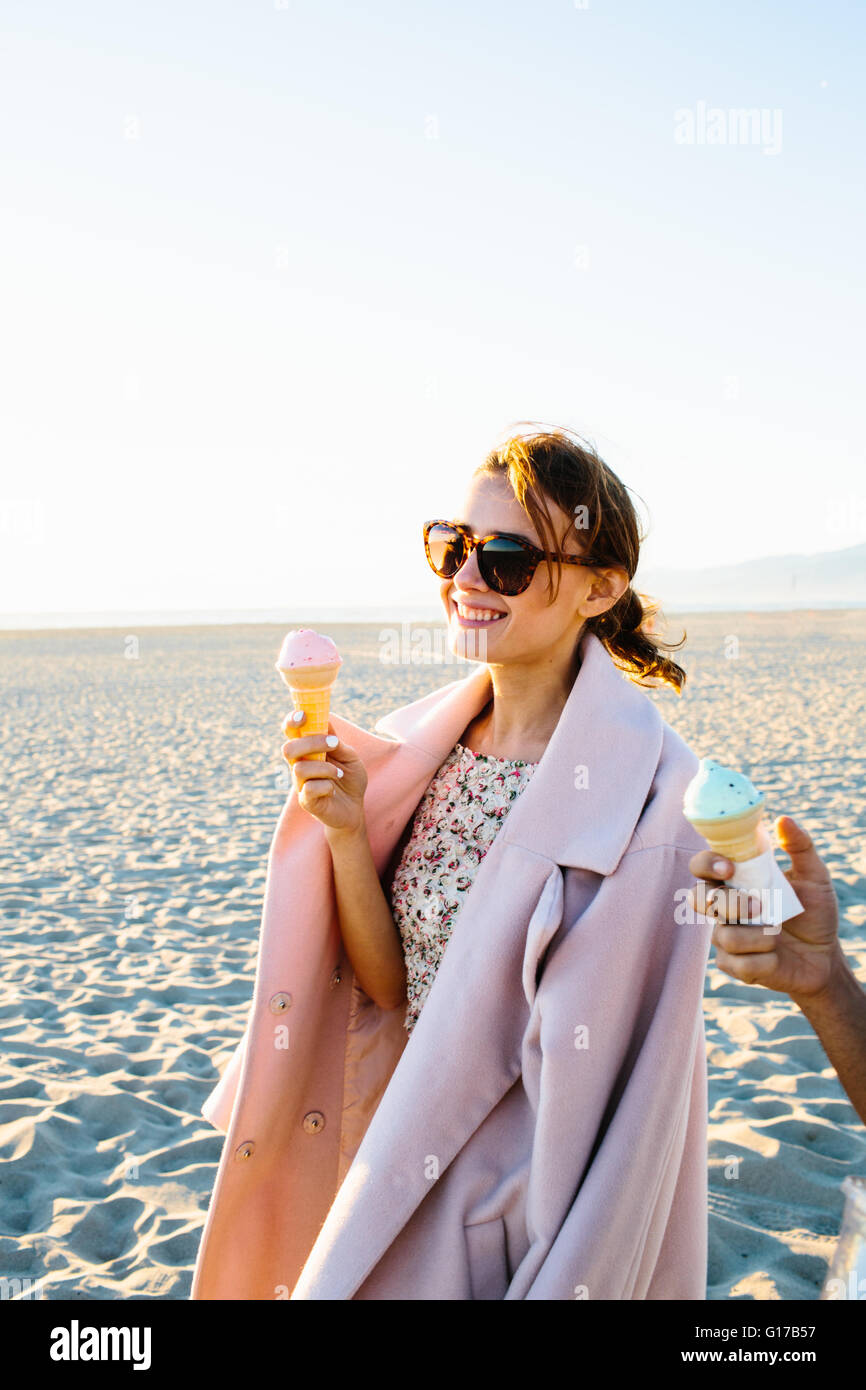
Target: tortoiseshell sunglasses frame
x,y
476,542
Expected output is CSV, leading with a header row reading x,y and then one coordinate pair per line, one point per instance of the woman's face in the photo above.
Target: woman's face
x,y
520,627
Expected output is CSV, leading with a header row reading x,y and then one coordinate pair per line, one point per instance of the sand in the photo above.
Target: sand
x,y
139,795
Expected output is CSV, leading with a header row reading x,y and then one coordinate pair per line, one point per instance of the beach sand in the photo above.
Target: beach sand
x,y
141,781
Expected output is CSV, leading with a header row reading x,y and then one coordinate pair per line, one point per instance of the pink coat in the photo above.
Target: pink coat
x,y
542,1132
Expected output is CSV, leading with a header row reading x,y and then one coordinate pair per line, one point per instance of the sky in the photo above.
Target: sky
x,y
277,276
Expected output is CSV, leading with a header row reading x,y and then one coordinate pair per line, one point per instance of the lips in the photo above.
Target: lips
x,y
476,612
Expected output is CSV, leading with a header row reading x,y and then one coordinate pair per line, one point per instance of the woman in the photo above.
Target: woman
x,y
505,884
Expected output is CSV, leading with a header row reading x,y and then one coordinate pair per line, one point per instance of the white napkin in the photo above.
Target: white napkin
x,y
778,899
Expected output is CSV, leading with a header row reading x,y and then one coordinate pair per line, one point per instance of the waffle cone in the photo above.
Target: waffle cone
x,y
311,691
735,837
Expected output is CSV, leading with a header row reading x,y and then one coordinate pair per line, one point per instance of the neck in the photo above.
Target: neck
x,y
528,699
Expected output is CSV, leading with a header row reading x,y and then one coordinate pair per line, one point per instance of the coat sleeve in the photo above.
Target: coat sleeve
x,y
614,1065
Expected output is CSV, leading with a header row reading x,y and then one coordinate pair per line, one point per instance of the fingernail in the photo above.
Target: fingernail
x,y
720,866
339,772
297,716
332,740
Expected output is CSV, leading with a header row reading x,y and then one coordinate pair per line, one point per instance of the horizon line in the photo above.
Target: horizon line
x,y
347,615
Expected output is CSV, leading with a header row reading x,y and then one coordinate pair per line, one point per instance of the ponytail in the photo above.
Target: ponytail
x,y
627,631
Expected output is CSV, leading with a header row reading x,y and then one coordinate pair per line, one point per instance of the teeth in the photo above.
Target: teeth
x,y
478,614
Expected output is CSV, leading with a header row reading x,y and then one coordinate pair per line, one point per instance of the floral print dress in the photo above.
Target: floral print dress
x,y
455,824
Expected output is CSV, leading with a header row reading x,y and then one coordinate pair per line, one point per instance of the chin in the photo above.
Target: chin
x,y
469,643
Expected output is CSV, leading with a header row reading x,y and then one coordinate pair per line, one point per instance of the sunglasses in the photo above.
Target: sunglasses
x,y
507,563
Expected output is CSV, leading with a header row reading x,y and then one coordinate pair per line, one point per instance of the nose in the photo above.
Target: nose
x,y
469,574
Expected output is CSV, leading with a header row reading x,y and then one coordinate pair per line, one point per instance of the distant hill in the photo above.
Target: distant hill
x,y
828,579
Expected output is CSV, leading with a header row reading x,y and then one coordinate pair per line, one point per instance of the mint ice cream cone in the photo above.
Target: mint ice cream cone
x,y
726,809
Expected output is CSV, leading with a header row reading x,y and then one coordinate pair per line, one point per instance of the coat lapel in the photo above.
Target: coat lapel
x,y
589,789
579,810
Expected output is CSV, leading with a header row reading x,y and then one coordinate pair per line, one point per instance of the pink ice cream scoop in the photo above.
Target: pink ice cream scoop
x,y
303,649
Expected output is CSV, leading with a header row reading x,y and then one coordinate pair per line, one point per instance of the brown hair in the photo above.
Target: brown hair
x,y
547,463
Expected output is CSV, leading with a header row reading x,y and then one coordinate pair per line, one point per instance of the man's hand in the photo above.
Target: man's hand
x,y
800,958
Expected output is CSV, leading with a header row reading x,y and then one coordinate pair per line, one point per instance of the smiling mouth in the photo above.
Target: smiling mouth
x,y
477,617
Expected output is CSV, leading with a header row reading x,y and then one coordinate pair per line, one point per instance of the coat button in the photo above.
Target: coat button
x,y
314,1122
280,1003
336,978
245,1150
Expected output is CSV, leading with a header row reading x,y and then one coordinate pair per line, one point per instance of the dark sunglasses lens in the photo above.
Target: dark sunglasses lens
x,y
505,566
446,549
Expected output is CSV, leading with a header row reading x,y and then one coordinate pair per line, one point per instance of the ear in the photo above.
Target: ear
x,y
607,586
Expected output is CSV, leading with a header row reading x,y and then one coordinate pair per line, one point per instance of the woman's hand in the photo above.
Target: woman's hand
x,y
332,791
797,959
